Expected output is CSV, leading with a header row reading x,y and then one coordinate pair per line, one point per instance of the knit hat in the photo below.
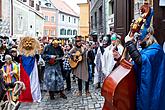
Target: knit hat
x,y
113,37
8,57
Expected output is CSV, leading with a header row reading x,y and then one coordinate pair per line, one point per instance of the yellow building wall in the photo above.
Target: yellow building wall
x,y
84,19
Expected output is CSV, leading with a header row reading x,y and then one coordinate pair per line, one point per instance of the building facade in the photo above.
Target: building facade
x,y
67,20
50,16
97,16
27,18
5,17
109,16
84,19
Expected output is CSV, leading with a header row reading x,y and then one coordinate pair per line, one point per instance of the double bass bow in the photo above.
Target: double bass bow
x,y
119,87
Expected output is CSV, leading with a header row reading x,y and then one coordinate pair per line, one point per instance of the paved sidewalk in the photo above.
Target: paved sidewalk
x,y
93,102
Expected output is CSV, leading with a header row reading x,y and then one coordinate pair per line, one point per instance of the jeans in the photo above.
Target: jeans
x,y
80,85
90,71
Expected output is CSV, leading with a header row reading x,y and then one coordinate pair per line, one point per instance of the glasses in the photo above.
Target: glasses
x,y
78,40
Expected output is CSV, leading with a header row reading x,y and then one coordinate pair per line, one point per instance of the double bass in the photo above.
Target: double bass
x,y
119,88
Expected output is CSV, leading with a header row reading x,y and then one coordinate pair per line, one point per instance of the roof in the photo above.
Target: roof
x,y
64,7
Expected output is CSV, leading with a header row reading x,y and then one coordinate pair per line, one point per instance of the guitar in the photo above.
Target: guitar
x,y
52,61
75,59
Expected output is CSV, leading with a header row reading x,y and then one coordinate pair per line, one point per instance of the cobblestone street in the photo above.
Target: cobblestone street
x,y
93,102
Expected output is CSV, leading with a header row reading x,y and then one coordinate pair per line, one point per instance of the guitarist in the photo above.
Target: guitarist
x,y
81,71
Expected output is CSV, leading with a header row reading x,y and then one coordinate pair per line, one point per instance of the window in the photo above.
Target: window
x,y
52,19
63,18
31,3
111,8
46,19
39,2
91,22
74,20
37,7
96,20
48,4
45,32
62,31
69,19
74,32
100,16
53,33
20,22
69,32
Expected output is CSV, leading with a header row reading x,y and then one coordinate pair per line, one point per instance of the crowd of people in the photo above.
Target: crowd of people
x,y
97,61
53,63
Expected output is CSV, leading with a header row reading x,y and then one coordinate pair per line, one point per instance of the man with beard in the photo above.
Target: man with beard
x,y
53,75
81,70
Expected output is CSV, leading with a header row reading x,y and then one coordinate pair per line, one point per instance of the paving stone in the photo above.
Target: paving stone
x,y
93,102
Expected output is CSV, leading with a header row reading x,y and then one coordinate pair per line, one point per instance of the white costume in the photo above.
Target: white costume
x,y
98,74
108,61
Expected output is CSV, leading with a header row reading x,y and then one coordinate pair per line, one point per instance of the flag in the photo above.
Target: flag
x,y
29,75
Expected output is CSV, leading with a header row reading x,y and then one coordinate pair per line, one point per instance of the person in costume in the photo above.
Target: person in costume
x,y
28,50
10,74
53,78
149,65
81,70
4,86
108,61
98,73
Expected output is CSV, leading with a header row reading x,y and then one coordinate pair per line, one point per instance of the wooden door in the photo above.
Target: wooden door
x,y
123,15
159,21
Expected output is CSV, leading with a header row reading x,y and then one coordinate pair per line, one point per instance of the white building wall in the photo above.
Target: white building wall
x,y
39,26
20,18
67,25
26,20
6,17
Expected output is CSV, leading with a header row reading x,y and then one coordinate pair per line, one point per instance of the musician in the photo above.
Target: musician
x,y
81,71
108,61
53,75
149,65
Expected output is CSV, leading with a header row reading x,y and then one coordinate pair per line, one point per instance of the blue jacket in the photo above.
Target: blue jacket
x,y
151,79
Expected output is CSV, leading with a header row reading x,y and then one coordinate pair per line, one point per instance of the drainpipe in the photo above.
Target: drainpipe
x,y
104,18
11,18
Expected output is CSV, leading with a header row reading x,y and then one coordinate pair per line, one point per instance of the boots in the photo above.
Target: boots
x,y
62,95
51,94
